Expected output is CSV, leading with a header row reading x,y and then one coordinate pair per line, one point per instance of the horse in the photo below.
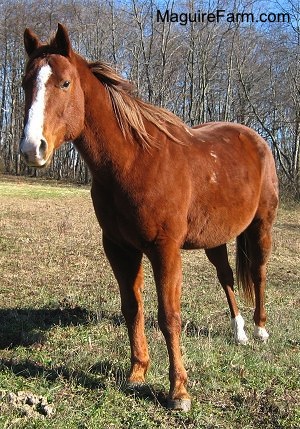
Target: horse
x,y
158,186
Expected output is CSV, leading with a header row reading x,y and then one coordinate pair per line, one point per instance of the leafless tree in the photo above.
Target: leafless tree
x,y
234,71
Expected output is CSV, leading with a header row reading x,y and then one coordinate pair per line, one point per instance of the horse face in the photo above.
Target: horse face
x,y
54,100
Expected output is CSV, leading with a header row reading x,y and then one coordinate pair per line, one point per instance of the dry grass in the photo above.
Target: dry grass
x,y
62,335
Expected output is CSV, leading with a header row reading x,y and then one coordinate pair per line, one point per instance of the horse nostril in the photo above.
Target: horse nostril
x,y
43,148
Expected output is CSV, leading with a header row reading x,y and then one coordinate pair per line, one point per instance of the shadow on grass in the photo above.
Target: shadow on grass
x,y
32,369
26,326
99,376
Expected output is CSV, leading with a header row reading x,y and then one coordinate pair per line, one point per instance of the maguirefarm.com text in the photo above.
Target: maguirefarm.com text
x,y
218,16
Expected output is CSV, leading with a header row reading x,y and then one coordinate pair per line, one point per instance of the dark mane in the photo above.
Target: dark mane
x,y
130,111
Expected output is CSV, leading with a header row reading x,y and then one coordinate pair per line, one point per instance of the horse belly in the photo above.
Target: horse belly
x,y
210,226
211,235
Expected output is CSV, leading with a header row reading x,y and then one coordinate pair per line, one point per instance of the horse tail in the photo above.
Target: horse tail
x,y
243,270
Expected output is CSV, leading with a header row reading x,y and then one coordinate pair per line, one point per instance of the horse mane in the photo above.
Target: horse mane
x,y
131,111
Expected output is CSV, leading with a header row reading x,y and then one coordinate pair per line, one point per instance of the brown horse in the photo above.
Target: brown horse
x,y
158,187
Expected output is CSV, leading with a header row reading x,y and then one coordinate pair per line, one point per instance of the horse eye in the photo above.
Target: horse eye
x,y
66,84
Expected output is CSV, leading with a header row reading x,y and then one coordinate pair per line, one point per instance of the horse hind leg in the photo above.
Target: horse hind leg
x,y
260,243
219,258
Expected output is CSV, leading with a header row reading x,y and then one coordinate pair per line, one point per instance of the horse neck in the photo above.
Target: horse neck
x,y
102,143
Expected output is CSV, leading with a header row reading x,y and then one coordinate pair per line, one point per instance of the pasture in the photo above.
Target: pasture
x,y
62,336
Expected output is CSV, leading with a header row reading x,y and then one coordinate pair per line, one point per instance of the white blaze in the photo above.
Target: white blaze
x,y
33,131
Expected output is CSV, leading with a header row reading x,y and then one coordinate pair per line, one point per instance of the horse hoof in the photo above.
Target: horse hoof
x,y
139,388
241,340
237,324
179,404
261,334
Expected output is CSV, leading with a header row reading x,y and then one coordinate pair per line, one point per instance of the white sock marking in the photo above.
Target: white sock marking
x,y
237,324
260,333
33,131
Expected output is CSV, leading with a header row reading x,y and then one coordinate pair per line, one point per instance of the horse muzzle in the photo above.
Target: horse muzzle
x,y
34,153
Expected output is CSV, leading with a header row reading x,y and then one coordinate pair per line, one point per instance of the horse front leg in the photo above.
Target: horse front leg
x,y
127,268
166,263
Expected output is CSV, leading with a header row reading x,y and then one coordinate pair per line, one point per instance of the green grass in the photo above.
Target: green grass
x,y
62,335
38,188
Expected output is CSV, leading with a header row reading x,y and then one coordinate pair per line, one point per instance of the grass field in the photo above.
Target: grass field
x,y
63,342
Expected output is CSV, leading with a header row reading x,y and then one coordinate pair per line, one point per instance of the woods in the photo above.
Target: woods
x,y
245,72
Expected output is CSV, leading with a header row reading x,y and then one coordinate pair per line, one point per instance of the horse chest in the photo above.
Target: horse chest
x,y
124,218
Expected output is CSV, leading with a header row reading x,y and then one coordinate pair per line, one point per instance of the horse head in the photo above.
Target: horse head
x,y
54,100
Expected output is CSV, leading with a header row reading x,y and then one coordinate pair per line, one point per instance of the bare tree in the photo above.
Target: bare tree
x,y
246,72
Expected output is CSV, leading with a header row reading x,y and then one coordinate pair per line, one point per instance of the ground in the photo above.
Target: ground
x,y
63,341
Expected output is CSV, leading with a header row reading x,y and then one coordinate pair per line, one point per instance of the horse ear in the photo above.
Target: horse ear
x,y
62,41
31,41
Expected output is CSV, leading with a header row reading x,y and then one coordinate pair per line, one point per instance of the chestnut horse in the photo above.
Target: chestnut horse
x,y
158,187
